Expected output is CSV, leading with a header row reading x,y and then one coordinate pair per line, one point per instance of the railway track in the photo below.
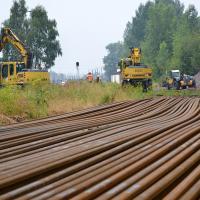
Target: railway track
x,y
147,149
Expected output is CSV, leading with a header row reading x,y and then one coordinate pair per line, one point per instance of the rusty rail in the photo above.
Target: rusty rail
x,y
147,149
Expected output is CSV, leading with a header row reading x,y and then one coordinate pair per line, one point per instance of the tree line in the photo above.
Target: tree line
x,y
168,34
36,31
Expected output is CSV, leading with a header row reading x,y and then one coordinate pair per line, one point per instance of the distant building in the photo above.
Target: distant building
x,y
57,78
116,78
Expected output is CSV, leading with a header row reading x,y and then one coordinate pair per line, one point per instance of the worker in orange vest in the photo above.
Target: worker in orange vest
x,y
90,77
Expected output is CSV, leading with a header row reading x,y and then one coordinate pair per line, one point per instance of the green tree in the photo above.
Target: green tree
x,y
186,51
42,38
161,26
162,60
19,24
135,30
168,36
38,32
115,52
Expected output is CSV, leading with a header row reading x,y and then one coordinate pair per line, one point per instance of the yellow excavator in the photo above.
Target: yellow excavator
x,y
18,72
134,72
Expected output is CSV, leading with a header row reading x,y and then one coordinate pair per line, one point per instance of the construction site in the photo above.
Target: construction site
x,y
127,130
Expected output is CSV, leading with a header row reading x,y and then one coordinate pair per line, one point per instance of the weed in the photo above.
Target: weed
x,y
42,99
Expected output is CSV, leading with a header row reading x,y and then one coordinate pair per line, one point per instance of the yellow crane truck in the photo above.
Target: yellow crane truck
x,y
134,72
18,72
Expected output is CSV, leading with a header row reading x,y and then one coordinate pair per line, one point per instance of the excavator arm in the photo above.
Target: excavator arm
x,y
8,37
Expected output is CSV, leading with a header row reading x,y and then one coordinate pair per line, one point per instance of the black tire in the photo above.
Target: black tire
x,y
150,82
177,85
150,85
145,86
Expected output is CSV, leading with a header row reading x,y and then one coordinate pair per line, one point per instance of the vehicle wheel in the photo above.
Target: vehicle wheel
x,y
150,84
177,85
145,86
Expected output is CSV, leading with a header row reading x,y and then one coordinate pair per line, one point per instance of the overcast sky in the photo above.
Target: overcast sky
x,y
86,27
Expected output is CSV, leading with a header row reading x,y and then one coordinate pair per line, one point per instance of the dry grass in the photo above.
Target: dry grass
x,y
41,100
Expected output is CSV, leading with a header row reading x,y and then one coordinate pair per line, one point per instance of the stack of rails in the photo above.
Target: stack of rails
x,y
147,149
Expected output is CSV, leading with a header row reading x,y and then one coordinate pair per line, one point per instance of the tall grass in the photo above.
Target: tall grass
x,y
42,99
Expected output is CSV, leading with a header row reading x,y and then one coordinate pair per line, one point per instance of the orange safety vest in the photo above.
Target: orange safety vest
x,y
89,77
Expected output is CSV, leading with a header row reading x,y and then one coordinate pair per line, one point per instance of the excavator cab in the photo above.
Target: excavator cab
x,y
175,74
9,71
136,56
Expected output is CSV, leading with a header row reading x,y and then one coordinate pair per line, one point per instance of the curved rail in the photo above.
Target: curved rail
x,y
147,149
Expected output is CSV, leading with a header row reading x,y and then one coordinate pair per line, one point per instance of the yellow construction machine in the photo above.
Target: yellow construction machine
x,y
134,72
18,72
177,80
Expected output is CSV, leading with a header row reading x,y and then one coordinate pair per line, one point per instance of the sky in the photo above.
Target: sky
x,y
86,27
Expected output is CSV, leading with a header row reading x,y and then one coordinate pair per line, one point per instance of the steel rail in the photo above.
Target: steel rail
x,y
144,149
